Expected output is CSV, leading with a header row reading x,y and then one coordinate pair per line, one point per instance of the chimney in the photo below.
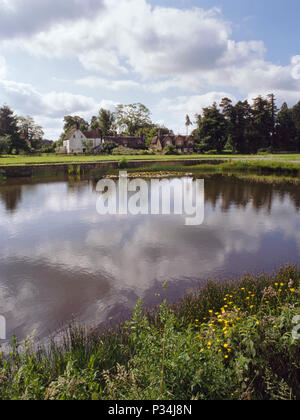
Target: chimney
x,y
77,125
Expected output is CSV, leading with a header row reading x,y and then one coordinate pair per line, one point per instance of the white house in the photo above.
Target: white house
x,y
74,140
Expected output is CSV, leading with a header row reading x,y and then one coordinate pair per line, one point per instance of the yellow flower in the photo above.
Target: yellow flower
x,y
258,323
226,346
226,357
292,290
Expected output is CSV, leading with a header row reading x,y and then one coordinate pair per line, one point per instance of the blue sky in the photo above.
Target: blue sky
x,y
75,56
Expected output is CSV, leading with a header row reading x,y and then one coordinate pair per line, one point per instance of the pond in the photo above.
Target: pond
x,y
61,260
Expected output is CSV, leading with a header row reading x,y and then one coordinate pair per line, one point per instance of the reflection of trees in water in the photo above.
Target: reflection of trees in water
x,y
11,196
239,192
231,190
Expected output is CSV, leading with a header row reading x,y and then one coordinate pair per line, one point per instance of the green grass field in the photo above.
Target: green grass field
x,y
52,158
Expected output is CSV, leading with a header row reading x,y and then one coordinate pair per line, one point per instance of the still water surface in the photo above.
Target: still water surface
x,y
60,260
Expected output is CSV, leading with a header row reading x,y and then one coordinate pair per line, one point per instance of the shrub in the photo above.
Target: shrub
x,y
123,164
107,148
171,150
121,150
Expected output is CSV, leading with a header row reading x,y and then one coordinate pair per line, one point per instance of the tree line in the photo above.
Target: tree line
x,y
236,128
244,128
20,134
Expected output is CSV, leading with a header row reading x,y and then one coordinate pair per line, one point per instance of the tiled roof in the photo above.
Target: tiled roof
x,y
70,134
93,134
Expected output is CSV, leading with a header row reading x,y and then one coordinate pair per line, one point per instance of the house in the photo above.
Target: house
x,y
184,144
74,141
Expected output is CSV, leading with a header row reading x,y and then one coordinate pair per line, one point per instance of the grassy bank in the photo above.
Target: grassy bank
x,y
258,167
53,158
225,341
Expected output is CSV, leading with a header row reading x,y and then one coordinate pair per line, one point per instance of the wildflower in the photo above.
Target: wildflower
x,y
258,323
226,346
292,290
252,306
226,357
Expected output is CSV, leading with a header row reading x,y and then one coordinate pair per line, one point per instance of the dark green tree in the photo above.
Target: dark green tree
x,y
71,122
5,144
9,127
286,132
296,119
212,130
106,122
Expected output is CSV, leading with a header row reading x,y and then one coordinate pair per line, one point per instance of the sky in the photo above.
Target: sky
x,y
73,57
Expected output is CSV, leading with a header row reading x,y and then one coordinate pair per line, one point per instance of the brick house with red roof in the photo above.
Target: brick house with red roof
x,y
184,144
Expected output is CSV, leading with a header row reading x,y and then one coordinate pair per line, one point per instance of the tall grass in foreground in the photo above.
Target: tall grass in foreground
x,y
225,341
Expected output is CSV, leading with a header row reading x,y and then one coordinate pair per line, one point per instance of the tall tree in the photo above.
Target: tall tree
x,y
131,118
286,132
106,122
262,124
212,130
296,119
30,131
188,123
273,111
9,127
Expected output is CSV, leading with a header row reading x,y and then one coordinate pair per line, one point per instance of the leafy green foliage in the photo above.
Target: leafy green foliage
x,y
171,150
132,118
5,144
226,341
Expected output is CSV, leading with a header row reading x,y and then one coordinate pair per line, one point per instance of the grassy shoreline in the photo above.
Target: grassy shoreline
x,y
229,340
14,160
